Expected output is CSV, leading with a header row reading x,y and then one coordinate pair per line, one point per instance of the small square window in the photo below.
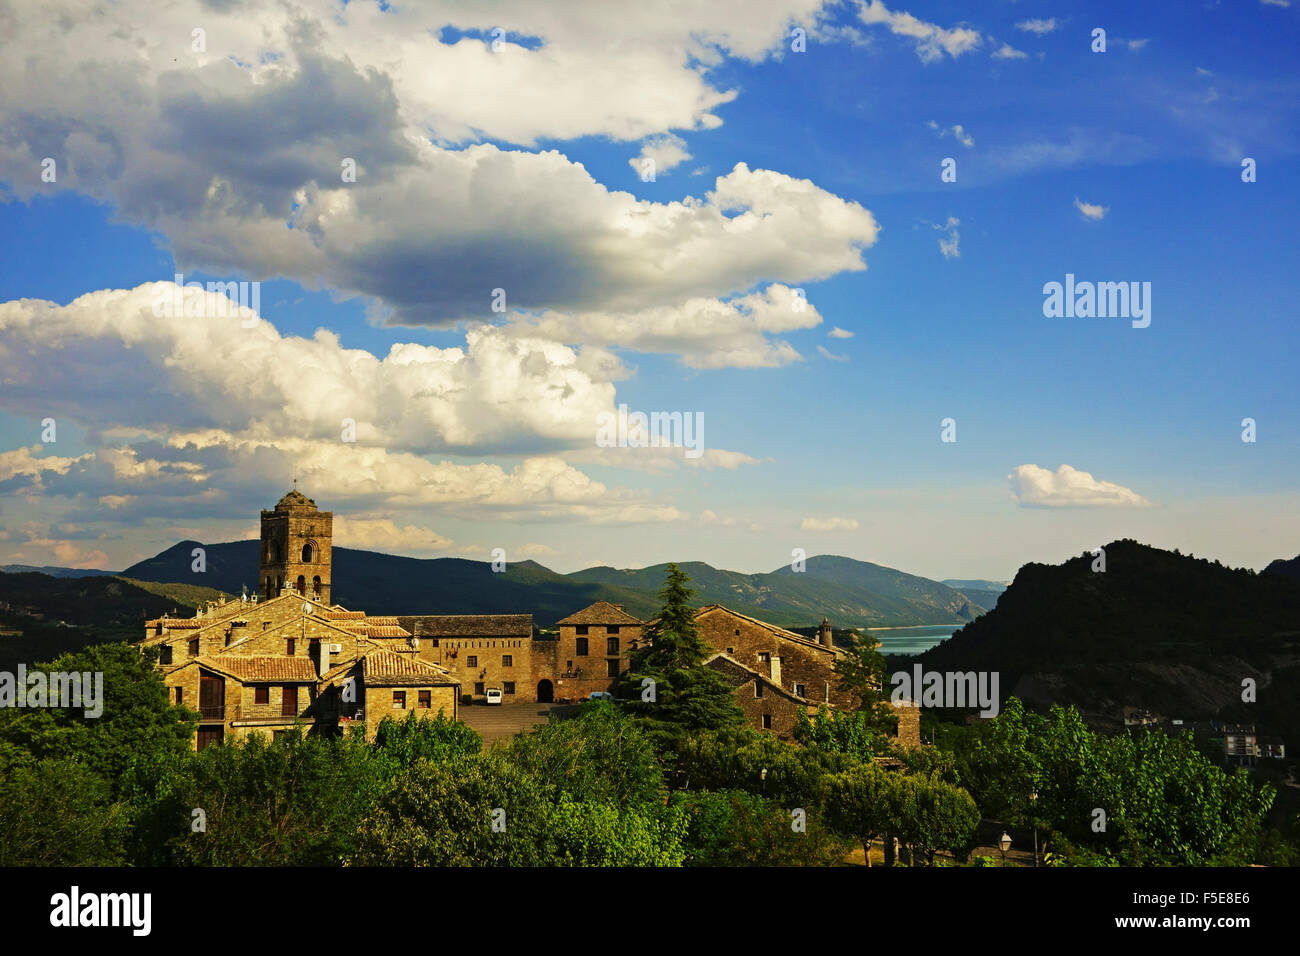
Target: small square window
x,y
731,650
399,700
612,629
799,690
425,700
764,657
262,695
582,628
471,661
507,660
509,687
738,632
478,688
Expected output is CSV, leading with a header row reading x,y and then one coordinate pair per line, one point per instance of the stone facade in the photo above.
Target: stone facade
x,y
803,667
482,651
593,648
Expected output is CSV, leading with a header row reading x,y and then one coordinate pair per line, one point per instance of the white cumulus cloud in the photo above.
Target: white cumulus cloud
x,y
1067,487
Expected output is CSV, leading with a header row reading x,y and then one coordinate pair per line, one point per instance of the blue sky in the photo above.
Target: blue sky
x,y
512,172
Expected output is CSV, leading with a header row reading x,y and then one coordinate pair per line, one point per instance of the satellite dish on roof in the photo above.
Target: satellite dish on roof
x,y
306,607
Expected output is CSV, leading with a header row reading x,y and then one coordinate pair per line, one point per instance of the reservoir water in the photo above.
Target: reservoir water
x,y
912,640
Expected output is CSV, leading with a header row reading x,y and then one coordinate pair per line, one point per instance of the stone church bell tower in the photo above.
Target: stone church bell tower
x,y
296,548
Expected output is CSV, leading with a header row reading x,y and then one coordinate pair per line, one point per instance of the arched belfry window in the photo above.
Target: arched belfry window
x,y
272,552
315,585
307,552
302,584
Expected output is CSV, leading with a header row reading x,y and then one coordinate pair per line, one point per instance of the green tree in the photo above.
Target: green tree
x,y
291,802
737,828
688,695
60,812
138,722
402,742
859,803
485,811
601,755
862,672
1163,802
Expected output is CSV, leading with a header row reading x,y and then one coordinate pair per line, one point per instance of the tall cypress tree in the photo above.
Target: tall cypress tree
x,y
687,695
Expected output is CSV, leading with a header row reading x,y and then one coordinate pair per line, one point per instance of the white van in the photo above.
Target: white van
x,y
493,695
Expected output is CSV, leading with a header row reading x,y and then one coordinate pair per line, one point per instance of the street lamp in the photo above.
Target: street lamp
x,y
1004,844
762,775
1033,803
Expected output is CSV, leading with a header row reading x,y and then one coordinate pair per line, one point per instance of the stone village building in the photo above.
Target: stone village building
x,y
293,662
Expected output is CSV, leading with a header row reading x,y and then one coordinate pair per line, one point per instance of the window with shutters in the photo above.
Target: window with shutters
x,y
399,700
290,645
582,628
262,694
425,700
611,667
289,701
478,688
194,647
165,656
611,645
582,647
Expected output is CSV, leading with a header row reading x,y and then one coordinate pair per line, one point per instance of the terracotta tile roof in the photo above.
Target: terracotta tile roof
x,y
292,670
370,630
602,612
176,623
343,615
468,625
383,621
385,668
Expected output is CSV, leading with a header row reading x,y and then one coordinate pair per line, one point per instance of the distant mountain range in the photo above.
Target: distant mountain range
x,y
42,615
1157,630
851,593
985,593
55,572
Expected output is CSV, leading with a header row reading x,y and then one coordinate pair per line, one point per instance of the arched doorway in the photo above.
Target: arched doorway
x,y
545,692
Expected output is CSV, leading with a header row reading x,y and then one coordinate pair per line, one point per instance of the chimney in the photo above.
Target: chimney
x,y
324,656
824,634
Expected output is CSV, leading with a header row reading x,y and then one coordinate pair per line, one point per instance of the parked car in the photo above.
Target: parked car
x,y
602,695
493,695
